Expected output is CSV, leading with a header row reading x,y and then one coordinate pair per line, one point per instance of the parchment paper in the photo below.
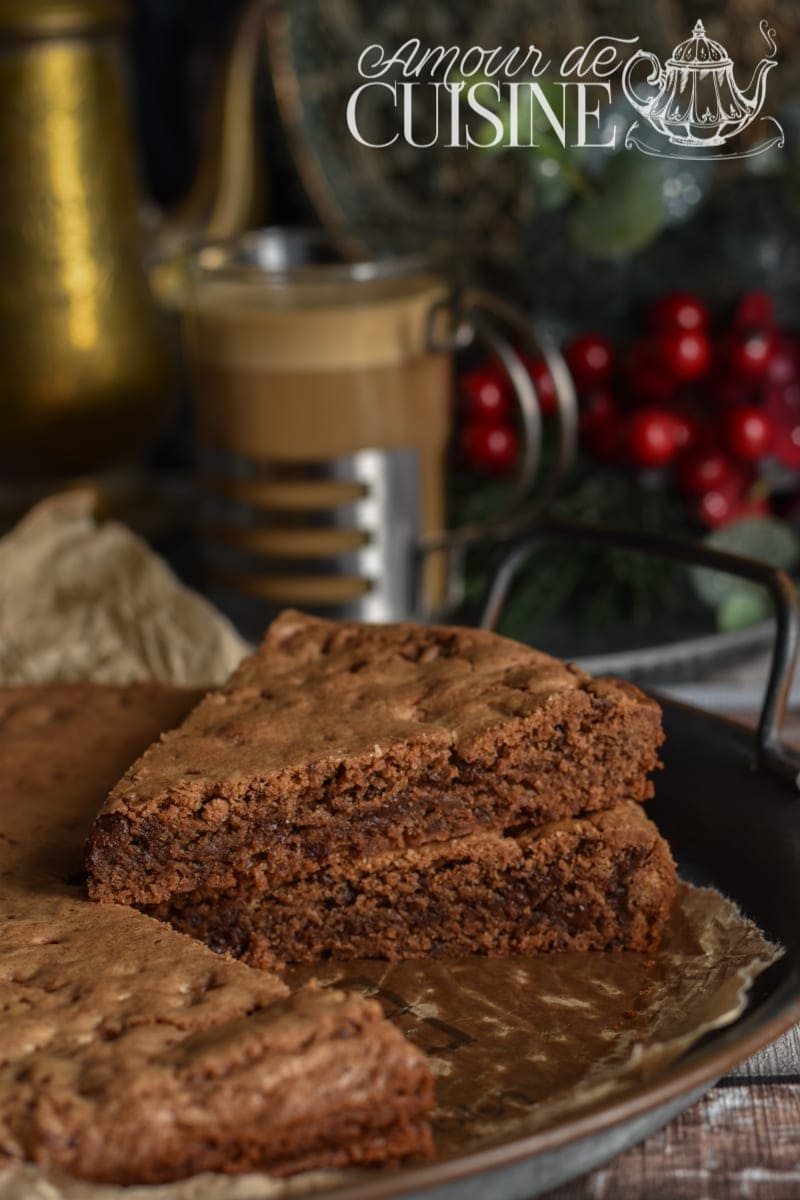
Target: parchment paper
x,y
82,600
516,1044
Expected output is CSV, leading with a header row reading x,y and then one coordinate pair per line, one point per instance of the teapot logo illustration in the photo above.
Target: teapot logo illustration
x,y
698,110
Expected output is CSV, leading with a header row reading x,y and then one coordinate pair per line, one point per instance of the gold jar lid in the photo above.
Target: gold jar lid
x,y
49,18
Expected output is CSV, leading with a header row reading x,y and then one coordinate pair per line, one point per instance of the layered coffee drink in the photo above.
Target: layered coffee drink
x,y
323,418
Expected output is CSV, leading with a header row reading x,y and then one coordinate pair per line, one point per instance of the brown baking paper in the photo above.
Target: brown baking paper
x,y
84,600
516,1044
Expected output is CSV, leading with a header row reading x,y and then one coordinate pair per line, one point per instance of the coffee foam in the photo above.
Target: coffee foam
x,y
228,325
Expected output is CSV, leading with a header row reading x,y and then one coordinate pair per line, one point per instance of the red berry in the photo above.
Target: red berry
x,y
755,310
728,503
646,378
748,433
704,471
685,430
490,447
598,409
784,365
724,500
680,311
601,426
750,353
652,437
716,508
487,393
685,355
542,381
782,410
590,358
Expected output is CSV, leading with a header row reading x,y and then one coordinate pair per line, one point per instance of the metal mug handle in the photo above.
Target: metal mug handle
x,y
479,317
771,752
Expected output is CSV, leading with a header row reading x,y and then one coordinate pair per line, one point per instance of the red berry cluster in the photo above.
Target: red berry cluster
x,y
706,400
489,440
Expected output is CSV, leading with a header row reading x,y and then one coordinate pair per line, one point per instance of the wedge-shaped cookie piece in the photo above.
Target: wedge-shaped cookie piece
x,y
131,1054
336,740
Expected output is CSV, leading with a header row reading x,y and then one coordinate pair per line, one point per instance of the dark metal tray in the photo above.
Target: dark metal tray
x,y
728,802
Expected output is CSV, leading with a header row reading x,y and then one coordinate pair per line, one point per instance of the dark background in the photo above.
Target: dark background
x,y
176,49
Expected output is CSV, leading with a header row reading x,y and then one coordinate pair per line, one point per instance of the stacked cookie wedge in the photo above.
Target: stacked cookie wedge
x,y
395,791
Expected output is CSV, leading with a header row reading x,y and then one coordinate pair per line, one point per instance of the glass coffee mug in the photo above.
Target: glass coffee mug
x,y
322,386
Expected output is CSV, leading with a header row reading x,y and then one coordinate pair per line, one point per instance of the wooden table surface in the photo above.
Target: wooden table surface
x,y
741,1141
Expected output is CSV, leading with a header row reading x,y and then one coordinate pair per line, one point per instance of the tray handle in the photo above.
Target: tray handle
x,y
771,752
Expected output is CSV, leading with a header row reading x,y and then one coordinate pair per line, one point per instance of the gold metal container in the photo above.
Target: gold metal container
x,y
84,367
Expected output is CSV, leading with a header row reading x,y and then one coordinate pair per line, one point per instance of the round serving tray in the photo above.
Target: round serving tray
x,y
686,660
